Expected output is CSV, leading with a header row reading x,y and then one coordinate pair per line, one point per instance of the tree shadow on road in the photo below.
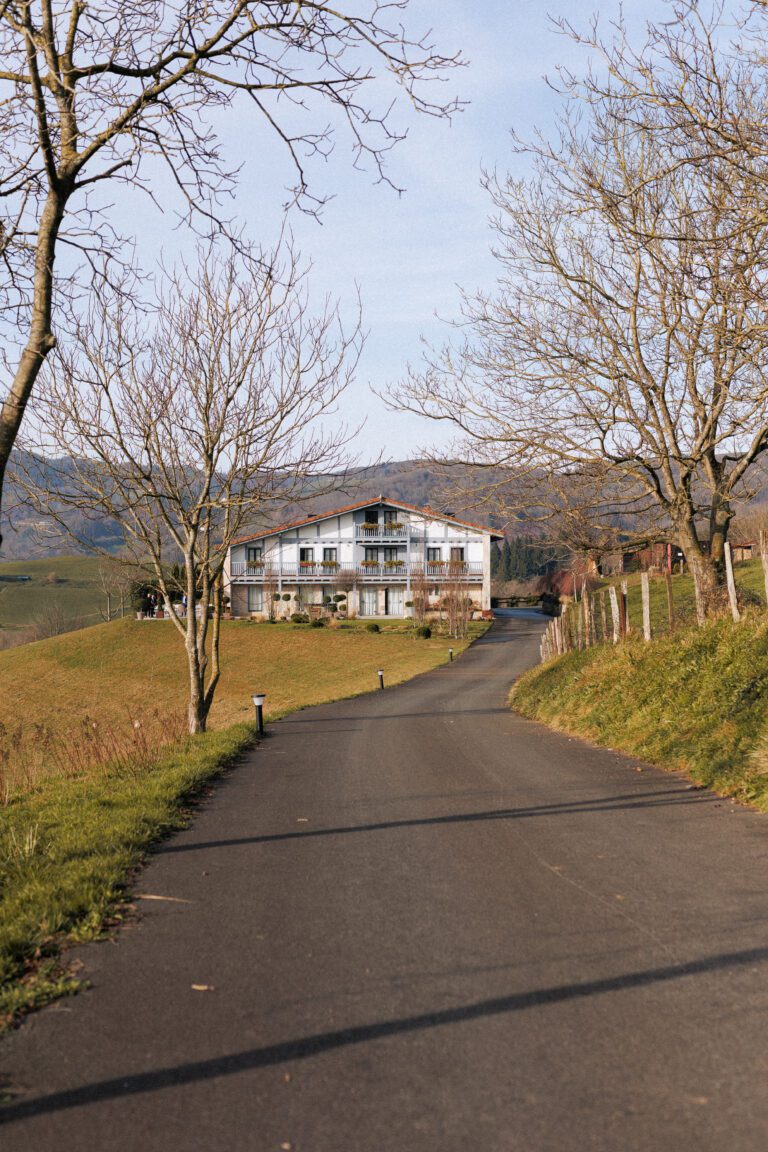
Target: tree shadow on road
x,y
627,802
317,1044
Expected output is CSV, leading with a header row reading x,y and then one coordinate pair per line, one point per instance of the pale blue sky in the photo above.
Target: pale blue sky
x,y
409,253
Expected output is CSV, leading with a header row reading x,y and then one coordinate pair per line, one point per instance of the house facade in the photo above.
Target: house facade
x,y
376,557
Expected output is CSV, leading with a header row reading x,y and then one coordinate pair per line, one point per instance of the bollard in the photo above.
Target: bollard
x,y
381,677
258,703
450,654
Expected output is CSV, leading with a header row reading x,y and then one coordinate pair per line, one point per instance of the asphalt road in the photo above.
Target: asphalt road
x,y
424,925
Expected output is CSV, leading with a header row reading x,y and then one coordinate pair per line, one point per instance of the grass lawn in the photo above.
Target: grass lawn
x,y
67,845
113,672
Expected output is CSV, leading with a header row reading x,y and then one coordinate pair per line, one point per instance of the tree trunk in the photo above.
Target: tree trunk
x,y
40,340
705,583
708,572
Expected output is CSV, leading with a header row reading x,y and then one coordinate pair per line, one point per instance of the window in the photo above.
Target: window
x,y
390,517
392,554
255,597
371,516
254,555
457,555
372,555
329,555
433,555
306,555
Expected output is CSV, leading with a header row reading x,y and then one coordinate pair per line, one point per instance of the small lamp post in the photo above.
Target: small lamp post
x,y
450,653
258,703
381,677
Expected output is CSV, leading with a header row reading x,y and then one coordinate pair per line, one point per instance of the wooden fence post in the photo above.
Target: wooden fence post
x,y
603,617
616,618
731,583
764,558
626,627
670,602
646,594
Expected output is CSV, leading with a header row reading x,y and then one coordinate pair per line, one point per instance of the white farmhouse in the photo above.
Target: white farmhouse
x,y
379,554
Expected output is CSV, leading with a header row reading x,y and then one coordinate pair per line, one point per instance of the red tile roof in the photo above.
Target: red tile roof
x,y
365,504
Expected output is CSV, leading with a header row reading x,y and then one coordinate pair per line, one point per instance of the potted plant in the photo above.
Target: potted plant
x,y
369,564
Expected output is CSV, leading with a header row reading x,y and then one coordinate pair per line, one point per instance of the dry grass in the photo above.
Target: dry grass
x,y
33,753
129,669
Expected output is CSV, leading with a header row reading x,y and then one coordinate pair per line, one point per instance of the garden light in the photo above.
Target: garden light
x,y
258,703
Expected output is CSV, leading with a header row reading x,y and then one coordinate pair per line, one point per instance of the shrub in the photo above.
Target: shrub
x,y
277,597
333,607
409,603
326,599
286,596
300,618
372,627
317,624
339,597
424,632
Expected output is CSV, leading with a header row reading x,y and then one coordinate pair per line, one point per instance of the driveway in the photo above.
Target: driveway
x,y
415,922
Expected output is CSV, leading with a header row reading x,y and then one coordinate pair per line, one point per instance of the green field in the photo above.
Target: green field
x,y
75,593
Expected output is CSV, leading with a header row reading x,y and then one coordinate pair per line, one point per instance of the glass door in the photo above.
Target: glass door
x,y
395,600
369,602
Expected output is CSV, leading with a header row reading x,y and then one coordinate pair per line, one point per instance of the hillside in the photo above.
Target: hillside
x,y
120,671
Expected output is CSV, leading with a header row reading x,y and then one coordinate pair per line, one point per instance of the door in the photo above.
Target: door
x,y
395,601
369,598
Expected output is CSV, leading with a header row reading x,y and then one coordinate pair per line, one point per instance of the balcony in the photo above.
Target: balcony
x,y
389,531
367,572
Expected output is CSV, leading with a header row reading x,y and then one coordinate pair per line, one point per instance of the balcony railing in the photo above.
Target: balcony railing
x,y
366,571
391,531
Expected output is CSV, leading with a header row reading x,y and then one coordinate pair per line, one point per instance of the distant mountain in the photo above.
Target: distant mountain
x,y
30,535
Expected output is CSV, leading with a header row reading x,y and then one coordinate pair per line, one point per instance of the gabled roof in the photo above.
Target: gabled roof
x,y
425,511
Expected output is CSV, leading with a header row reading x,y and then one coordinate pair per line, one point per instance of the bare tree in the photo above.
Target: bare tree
x,y
183,433
92,94
620,373
455,601
420,588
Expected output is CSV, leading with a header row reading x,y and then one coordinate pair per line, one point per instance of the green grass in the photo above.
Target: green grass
x,y
78,592
694,701
68,846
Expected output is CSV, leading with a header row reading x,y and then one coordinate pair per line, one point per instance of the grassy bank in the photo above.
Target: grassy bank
x,y
694,701
75,823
